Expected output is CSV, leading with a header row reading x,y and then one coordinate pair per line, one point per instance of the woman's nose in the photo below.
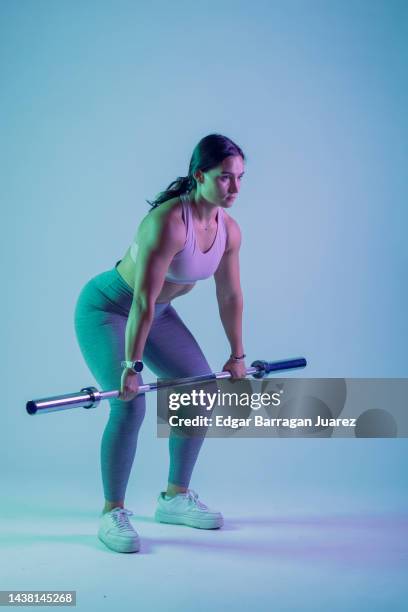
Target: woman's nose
x,y
234,187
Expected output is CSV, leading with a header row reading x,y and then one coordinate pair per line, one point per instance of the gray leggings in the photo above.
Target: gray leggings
x,y
171,351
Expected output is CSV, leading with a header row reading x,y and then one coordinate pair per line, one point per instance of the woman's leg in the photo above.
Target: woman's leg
x,y
100,328
171,351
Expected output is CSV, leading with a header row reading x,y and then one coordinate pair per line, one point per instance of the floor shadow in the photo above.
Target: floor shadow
x,y
363,541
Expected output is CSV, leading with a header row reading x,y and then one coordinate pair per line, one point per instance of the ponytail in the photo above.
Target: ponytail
x,y
182,184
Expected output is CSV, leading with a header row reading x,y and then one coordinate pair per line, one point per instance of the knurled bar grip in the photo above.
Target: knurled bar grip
x,y
89,397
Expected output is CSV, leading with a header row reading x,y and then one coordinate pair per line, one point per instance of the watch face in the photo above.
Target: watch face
x,y
138,366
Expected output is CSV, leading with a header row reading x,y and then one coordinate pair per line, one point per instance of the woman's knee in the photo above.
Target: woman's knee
x,y
130,413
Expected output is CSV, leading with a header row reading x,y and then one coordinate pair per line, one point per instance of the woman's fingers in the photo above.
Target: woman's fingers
x,y
129,385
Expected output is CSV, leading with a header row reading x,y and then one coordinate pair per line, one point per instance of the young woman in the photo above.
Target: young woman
x,y
124,319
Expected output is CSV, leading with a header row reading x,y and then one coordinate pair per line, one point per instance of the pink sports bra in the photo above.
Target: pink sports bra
x,y
190,264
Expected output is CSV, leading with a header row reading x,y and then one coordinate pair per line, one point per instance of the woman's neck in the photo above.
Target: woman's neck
x,y
205,211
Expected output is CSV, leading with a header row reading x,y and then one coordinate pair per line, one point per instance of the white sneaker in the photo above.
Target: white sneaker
x,y
117,532
186,509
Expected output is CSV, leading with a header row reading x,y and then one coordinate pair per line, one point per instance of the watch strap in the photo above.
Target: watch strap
x,y
136,366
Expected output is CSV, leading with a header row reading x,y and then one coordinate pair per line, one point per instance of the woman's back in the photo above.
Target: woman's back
x,y
167,214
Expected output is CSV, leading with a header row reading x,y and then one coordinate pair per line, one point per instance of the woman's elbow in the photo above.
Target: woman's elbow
x,y
235,297
143,304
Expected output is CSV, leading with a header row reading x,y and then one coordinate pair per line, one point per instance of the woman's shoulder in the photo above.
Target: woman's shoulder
x,y
230,222
232,230
169,209
167,217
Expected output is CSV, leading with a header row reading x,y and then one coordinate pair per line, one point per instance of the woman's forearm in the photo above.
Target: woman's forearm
x,y
137,329
231,317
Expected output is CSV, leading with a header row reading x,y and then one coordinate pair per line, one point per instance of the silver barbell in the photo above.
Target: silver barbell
x,y
89,397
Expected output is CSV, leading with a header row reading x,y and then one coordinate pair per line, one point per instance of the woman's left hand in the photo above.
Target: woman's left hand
x,y
237,368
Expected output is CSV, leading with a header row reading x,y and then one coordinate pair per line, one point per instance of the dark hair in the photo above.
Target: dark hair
x,y
208,153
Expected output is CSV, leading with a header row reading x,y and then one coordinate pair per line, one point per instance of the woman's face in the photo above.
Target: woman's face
x,y
221,184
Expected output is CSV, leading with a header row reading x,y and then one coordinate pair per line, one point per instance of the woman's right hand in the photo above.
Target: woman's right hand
x,y
129,385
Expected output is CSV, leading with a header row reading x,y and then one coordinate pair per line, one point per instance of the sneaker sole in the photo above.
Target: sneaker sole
x,y
119,546
182,519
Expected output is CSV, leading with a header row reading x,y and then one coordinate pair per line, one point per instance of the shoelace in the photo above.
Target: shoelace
x,y
193,497
120,516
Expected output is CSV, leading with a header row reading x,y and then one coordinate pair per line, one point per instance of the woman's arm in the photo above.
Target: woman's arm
x,y
230,299
160,237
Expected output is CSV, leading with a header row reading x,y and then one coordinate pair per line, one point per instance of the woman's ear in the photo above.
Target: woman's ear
x,y
199,176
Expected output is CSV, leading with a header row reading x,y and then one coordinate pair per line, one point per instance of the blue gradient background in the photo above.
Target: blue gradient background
x,y
101,106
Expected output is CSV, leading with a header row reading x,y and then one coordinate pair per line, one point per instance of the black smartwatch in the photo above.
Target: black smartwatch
x,y
136,366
